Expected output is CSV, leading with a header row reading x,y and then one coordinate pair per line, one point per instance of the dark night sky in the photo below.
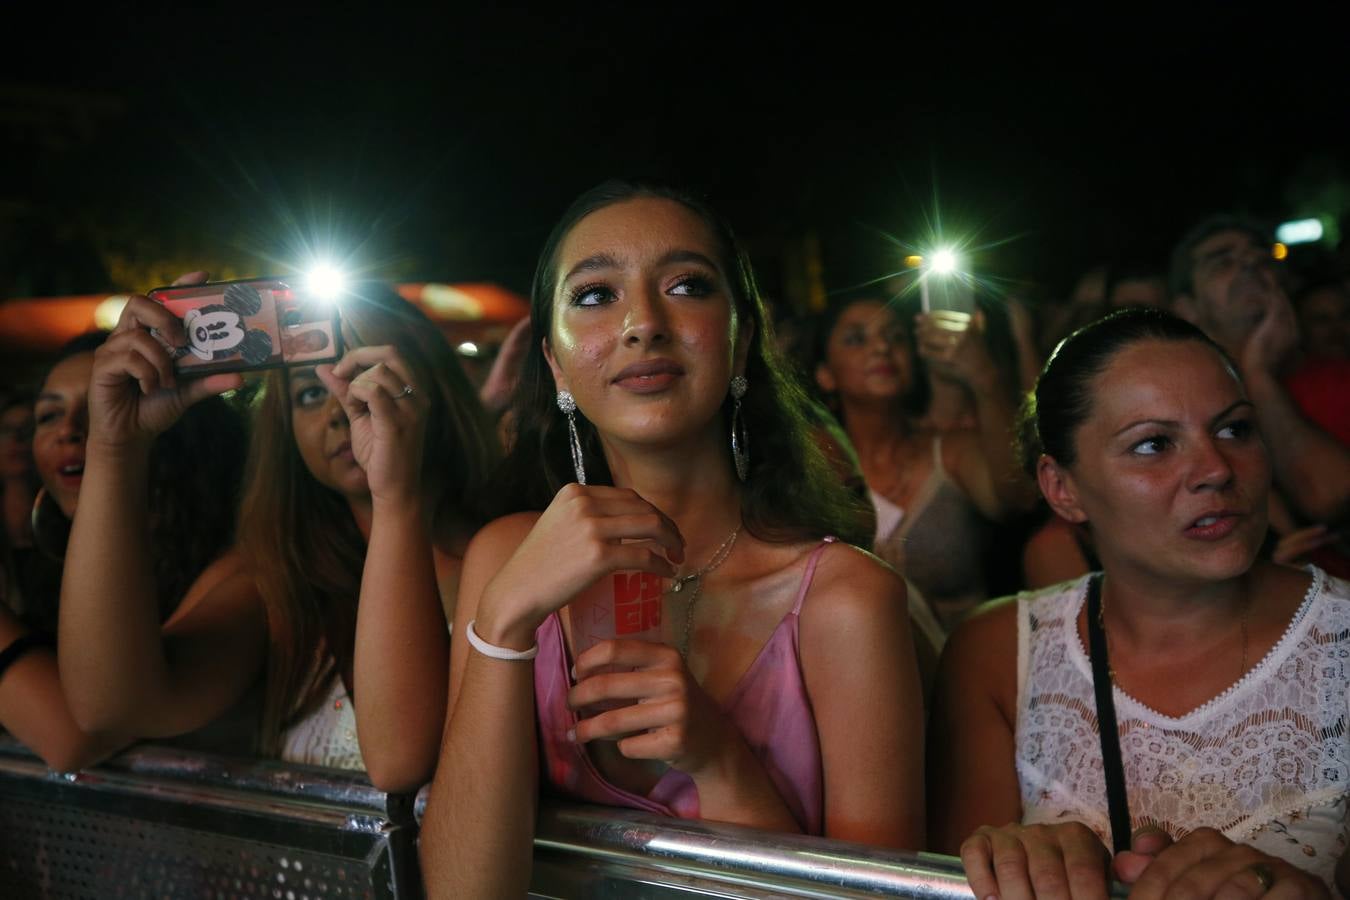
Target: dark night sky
x,y
450,141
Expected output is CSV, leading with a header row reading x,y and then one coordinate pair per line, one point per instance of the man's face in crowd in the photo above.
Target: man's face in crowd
x,y
1233,282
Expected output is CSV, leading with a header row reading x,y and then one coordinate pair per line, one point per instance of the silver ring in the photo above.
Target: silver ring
x,y
406,392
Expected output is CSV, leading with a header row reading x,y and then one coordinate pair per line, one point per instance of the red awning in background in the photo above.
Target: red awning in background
x,y
38,325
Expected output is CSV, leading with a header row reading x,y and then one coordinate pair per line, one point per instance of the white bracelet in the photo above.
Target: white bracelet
x,y
496,652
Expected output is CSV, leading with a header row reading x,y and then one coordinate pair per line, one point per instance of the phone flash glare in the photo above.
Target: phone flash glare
x,y
944,262
1300,231
326,281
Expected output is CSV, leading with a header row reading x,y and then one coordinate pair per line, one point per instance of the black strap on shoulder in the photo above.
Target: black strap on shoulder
x,y
1114,770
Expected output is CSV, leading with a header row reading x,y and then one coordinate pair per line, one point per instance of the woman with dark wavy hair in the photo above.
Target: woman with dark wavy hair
x,y
196,468
659,437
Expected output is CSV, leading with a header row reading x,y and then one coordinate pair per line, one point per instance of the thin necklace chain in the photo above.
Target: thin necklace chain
x,y
719,556
1111,670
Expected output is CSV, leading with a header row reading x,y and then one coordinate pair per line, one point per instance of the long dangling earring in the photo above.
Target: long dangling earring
x,y
568,404
35,517
740,438
51,529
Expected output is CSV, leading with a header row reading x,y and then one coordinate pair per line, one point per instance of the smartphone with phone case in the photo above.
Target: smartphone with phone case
x,y
256,323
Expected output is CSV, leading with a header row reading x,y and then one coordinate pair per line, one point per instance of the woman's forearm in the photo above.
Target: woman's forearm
x,y
34,710
478,833
111,653
402,652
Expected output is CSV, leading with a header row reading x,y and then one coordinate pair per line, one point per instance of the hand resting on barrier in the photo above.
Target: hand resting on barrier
x,y
1019,862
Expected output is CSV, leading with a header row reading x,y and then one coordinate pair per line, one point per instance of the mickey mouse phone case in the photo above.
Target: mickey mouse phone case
x,y
257,323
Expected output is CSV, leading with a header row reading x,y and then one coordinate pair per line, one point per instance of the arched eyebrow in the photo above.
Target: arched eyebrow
x,y
594,263
48,397
602,261
687,256
1171,423
1234,407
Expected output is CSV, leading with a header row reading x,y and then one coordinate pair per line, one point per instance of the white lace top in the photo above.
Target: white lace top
x,y
327,736
1267,762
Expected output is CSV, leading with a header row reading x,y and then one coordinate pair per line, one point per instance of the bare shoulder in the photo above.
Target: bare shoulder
x,y
499,538
980,657
851,583
992,626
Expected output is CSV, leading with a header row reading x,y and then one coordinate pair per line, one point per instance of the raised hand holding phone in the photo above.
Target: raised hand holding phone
x,y
257,323
134,392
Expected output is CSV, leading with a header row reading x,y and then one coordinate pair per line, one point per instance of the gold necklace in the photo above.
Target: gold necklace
x,y
678,584
1110,669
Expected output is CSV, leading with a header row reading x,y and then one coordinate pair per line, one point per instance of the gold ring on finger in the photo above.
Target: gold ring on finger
x,y
1265,875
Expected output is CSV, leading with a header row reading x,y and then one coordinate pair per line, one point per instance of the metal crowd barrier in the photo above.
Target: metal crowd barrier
x,y
593,851
158,822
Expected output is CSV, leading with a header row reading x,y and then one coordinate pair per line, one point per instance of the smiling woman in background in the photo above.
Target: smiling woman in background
x,y
196,467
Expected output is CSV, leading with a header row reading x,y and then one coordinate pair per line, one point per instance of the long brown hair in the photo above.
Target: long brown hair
x,y
299,536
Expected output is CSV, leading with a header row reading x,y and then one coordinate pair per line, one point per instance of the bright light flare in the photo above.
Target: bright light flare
x,y
326,281
1300,231
109,312
468,348
944,262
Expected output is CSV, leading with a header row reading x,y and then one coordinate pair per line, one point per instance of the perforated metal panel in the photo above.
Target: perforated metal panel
x,y
66,852
52,851
160,824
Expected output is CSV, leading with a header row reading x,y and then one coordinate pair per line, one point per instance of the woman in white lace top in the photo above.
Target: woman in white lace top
x,y
1228,675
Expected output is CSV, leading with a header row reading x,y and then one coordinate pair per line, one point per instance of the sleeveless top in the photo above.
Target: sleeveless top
x,y
937,544
769,706
1266,762
327,736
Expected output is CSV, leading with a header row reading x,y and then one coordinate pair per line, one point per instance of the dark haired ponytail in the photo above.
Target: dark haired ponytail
x,y
1062,398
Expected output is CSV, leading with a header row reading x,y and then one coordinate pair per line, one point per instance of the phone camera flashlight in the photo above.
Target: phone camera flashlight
x,y
944,262
326,281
